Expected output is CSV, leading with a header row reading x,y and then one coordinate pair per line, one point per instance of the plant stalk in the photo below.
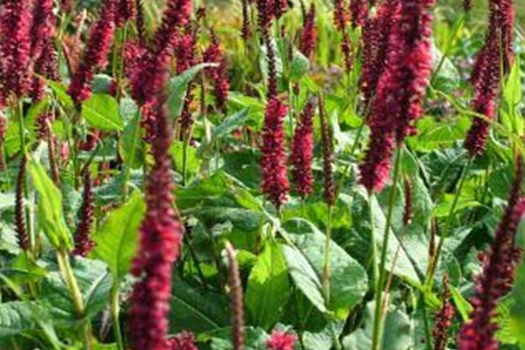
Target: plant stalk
x,y
378,317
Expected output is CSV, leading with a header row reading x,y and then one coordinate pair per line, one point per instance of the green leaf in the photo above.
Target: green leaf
x,y
255,339
16,317
512,91
300,66
268,287
178,87
22,270
50,212
463,306
116,241
94,282
348,282
102,112
131,146
61,93
197,309
177,154
397,332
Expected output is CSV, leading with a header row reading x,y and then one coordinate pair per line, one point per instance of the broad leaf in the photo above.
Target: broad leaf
x,y
348,282
268,287
102,112
116,241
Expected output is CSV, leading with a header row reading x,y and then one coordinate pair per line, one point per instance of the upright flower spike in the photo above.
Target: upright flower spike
x,y
309,33
494,58
341,15
246,31
96,53
264,19
139,21
493,282
43,51
149,78
443,318
83,242
218,75
375,37
125,11
20,209
160,245
303,152
16,20
275,183
400,90
328,156
236,299
359,12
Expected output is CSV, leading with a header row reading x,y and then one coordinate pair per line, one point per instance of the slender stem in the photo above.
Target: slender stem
x,y
185,158
435,259
69,278
76,294
428,334
378,317
373,242
115,314
136,136
326,269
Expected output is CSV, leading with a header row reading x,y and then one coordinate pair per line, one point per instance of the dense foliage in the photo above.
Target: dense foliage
x,y
262,174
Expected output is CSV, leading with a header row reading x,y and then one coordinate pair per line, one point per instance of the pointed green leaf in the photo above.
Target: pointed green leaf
x,y
102,112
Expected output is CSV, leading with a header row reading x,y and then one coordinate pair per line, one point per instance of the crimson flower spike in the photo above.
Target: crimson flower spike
x,y
303,152
83,242
400,90
328,156
309,33
375,37
236,298
359,12
218,75
265,15
126,11
494,58
96,53
149,74
16,19
43,51
496,277
275,183
160,245
443,318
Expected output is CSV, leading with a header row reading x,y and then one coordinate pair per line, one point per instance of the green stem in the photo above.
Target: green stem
x,y
136,136
115,315
185,158
71,282
435,259
373,242
76,294
326,269
378,317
